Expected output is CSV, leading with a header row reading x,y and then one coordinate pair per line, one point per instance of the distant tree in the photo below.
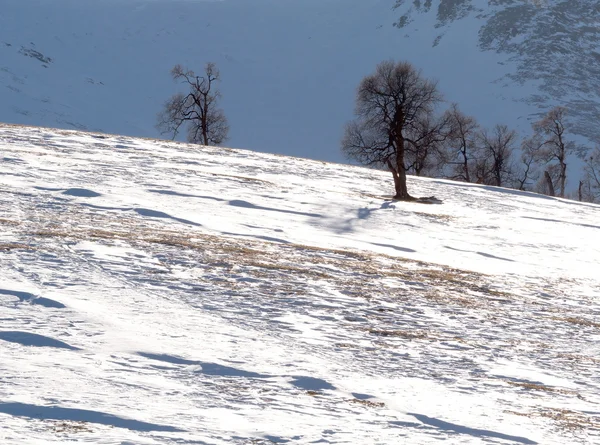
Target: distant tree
x,y
590,185
551,129
461,143
547,182
494,152
392,106
197,109
527,173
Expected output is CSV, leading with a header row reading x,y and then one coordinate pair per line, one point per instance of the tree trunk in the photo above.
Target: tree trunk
x,y
205,118
398,170
466,168
549,183
580,191
399,174
563,177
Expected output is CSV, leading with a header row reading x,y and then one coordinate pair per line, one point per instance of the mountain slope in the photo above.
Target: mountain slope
x,y
159,293
289,69
552,46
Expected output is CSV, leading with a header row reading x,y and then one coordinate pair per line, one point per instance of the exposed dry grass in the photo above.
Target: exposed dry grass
x,y
535,386
411,335
9,222
579,358
434,217
565,418
578,321
14,246
71,427
367,403
352,270
290,269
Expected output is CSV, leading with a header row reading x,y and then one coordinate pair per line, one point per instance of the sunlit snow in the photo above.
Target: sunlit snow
x,y
153,292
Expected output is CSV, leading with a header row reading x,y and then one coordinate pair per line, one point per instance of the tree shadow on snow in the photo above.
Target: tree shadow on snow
x,y
29,339
79,415
26,297
427,421
184,195
144,212
311,383
401,249
249,205
207,367
591,226
487,255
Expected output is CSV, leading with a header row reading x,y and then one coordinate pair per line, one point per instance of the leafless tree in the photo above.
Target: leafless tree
x,y
590,189
494,154
527,173
198,109
551,129
546,183
461,143
391,106
424,153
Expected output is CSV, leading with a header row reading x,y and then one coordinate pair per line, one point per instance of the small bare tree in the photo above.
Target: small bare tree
x,y
391,104
198,109
495,150
590,189
527,173
461,143
551,129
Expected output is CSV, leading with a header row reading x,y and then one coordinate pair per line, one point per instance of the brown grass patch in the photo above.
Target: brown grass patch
x,y
565,418
68,426
9,222
578,357
433,217
539,387
399,333
14,246
289,269
578,321
367,403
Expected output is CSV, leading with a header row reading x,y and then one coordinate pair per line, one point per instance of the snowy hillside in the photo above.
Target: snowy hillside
x,y
289,68
158,293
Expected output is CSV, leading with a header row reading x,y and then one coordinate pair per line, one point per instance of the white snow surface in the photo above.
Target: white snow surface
x,y
153,292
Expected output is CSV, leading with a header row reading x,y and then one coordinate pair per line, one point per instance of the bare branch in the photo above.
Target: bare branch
x,y
206,123
394,111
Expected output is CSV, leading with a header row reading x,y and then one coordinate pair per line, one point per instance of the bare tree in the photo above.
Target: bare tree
x,y
391,104
551,128
424,151
198,109
546,184
495,150
590,189
462,143
527,173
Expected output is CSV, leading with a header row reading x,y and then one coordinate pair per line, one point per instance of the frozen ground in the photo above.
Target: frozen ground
x,y
156,293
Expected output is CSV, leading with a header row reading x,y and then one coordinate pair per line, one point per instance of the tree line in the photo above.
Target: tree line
x,y
399,126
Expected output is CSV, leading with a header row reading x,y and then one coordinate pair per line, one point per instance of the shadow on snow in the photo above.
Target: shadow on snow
x,y
79,415
207,368
427,421
26,297
29,339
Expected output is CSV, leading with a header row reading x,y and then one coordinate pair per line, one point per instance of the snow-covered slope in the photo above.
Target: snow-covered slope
x,y
290,68
552,47
158,293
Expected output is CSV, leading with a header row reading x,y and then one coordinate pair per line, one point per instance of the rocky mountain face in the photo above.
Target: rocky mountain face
x,y
553,45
